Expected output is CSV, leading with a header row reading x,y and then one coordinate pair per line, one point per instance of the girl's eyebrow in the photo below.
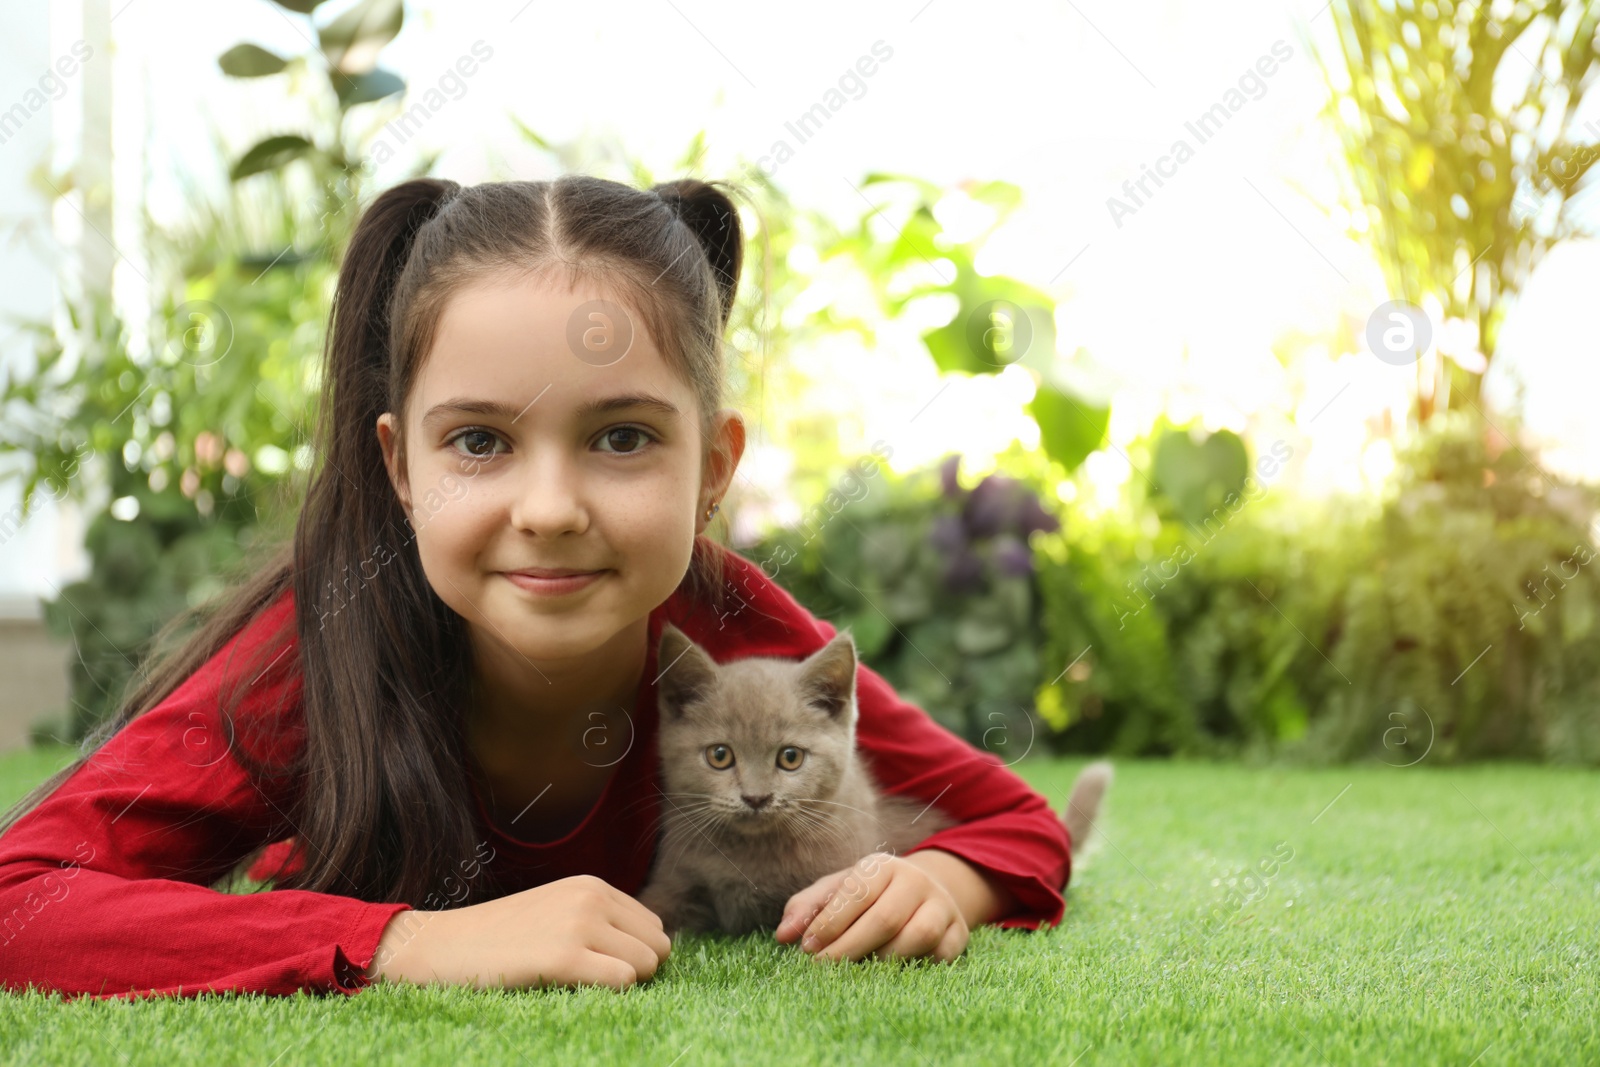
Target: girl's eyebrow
x,y
462,405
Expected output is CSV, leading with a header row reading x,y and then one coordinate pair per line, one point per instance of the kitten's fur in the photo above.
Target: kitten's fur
x,y
731,864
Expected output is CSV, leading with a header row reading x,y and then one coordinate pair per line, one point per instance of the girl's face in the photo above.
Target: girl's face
x,y
523,451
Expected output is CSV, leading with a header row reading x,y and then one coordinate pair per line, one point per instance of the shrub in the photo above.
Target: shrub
x,y
1454,619
936,584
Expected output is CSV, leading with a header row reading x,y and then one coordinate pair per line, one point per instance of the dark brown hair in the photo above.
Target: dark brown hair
x,y
385,812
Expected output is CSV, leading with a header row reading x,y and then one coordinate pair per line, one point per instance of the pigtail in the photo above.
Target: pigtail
x,y
714,220
385,662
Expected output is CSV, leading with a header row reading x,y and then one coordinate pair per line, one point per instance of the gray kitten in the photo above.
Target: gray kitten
x,y
763,792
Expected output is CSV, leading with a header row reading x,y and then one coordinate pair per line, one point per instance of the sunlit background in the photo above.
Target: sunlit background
x,y
1234,295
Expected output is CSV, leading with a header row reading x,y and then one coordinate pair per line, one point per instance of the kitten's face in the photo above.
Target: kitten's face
x,y
757,746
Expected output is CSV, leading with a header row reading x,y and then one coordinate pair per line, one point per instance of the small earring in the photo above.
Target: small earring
x,y
712,510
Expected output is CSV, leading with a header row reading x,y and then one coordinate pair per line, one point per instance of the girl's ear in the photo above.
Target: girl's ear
x,y
394,457
723,452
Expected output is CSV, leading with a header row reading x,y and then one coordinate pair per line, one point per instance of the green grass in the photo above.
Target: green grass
x,y
1427,916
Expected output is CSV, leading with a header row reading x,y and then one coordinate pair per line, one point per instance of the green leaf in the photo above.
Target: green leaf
x,y
352,41
270,154
871,632
908,602
299,7
978,637
530,134
250,61
365,88
1195,478
887,551
1069,427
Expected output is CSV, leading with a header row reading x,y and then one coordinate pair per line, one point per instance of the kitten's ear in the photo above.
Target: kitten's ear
x,y
688,674
828,676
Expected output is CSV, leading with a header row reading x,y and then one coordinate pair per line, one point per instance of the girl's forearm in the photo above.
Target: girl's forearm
x,y
980,898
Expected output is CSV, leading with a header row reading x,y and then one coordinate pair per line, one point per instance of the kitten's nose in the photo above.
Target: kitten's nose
x,y
756,803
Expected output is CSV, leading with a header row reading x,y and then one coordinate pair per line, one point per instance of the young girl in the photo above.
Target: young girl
x,y
441,697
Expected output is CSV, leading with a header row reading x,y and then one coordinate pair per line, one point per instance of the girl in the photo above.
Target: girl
x,y
441,696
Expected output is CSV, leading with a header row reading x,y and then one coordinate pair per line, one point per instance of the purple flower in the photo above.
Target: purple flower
x,y
1013,557
1033,518
950,474
1000,504
947,534
964,574
990,505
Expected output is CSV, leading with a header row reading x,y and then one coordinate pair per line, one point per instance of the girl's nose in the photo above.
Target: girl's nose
x,y
547,498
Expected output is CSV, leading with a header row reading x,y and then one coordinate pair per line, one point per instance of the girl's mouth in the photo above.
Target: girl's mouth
x,y
553,586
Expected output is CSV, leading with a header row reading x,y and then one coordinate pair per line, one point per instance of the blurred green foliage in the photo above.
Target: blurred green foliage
x,y
186,442
1457,619
1463,155
1454,619
935,582
1191,475
996,321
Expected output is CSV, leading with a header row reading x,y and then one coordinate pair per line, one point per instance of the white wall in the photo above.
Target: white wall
x,y
41,99
39,109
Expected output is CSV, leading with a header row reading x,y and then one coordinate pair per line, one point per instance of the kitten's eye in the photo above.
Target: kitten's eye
x,y
719,756
790,758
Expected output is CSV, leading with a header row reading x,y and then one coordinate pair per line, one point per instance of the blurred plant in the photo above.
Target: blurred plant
x,y
344,64
998,322
1457,619
192,439
936,584
1463,162
186,441
1192,473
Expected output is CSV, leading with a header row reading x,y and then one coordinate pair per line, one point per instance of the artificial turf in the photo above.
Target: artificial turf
x,y
1413,915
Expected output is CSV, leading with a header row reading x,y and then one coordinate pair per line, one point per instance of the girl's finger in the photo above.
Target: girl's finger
x,y
953,944
641,959
921,935
878,923
855,893
804,905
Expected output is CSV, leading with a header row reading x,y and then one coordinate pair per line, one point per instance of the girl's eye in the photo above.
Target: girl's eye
x,y
474,436
626,440
790,758
719,756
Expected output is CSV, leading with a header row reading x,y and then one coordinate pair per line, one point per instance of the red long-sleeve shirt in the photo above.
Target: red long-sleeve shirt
x,y
104,886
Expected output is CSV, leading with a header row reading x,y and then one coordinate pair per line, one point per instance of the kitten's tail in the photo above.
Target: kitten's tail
x,y
1083,806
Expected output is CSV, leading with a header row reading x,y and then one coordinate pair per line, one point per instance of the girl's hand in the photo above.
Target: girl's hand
x,y
885,906
573,931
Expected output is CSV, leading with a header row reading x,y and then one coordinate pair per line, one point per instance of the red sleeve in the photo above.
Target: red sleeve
x,y
104,886
1004,827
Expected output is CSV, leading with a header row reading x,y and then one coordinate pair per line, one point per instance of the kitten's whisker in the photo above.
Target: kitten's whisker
x,y
670,805
815,831
844,832
824,826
